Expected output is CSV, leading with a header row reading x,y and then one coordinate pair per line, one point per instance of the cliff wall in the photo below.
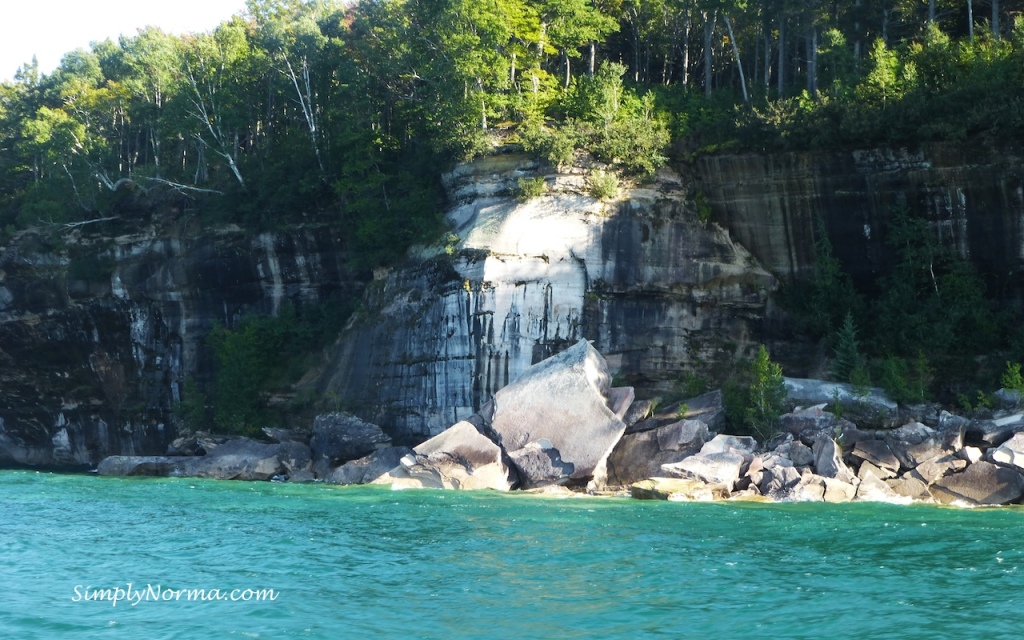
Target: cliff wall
x,y
972,196
98,332
654,288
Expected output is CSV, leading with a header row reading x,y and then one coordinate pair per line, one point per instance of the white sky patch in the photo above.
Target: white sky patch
x,y
50,28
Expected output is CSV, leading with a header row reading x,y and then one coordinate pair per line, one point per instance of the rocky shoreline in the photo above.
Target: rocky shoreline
x,y
562,424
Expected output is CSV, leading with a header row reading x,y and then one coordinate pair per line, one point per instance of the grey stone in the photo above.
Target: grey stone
x,y
302,477
1009,399
340,437
943,465
872,488
619,400
639,410
677,489
910,487
724,443
162,466
878,453
981,483
708,408
873,410
640,455
840,491
245,459
828,461
810,488
914,443
295,456
723,467
881,473
563,400
539,464
796,452
970,454
368,468
778,481
994,432
460,457
809,423
1010,453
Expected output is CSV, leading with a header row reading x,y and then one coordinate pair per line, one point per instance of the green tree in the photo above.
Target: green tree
x,y
767,395
847,351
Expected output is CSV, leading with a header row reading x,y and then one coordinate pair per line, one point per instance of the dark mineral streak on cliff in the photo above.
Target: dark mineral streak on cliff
x,y
971,195
91,364
652,287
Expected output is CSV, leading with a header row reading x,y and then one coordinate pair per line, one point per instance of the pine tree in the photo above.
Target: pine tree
x,y
847,351
767,393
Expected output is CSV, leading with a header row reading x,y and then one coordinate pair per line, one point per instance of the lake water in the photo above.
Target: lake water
x,y
370,562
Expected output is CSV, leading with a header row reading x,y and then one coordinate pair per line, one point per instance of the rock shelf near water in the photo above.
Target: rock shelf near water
x,y
562,424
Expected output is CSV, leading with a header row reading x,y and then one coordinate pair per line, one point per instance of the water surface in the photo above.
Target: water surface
x,y
370,562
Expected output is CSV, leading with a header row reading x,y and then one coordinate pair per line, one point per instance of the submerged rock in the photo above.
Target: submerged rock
x,y
677,489
161,466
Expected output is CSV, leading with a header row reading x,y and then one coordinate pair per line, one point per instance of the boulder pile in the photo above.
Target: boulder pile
x,y
562,423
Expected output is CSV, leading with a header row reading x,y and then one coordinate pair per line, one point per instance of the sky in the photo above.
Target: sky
x,y
50,28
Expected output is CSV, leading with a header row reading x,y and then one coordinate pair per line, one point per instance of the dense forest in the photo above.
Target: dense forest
x,y
318,110
315,108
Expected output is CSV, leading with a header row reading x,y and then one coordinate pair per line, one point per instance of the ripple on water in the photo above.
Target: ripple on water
x,y
367,560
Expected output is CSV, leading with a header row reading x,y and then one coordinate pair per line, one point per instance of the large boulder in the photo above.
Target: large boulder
x,y
236,459
777,481
910,486
460,457
980,484
994,432
564,401
368,468
539,464
245,459
640,455
1010,453
870,410
940,466
828,461
722,460
810,423
914,443
877,453
340,437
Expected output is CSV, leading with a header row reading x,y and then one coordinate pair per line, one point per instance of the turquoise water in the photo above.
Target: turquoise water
x,y
370,562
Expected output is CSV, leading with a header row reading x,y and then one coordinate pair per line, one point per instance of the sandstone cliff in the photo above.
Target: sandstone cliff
x,y
653,287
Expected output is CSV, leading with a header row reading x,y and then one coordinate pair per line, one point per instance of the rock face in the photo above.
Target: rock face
x,y
772,203
98,336
340,437
459,458
528,279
